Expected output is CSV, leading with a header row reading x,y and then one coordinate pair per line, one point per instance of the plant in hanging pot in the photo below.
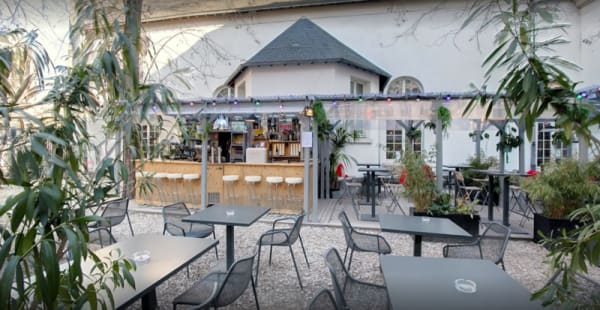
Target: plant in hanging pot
x,y
562,187
508,140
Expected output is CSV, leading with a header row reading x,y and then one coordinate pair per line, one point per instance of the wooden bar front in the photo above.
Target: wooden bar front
x,y
166,191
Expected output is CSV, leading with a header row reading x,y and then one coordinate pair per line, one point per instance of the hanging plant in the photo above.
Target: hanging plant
x,y
413,133
508,140
445,117
482,135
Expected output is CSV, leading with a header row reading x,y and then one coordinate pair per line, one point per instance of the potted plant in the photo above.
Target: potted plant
x,y
462,214
562,187
418,181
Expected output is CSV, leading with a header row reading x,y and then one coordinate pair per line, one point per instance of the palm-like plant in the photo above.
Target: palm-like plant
x,y
533,82
339,137
48,161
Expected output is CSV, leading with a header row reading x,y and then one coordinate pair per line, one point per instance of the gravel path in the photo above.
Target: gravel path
x,y
278,287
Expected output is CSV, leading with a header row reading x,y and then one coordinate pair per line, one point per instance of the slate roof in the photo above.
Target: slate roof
x,y
305,42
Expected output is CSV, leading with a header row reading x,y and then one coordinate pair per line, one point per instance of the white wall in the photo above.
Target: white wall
x,y
292,80
590,43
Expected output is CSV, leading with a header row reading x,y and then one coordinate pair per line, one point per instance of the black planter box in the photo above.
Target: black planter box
x,y
467,222
550,226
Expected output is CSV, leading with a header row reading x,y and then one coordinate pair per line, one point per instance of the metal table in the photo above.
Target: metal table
x,y
428,283
371,185
504,194
421,226
230,216
168,255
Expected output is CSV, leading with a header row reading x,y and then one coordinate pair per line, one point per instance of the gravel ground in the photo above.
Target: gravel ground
x,y
278,287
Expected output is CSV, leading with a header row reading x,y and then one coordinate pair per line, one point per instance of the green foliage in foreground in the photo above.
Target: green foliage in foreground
x,y
45,259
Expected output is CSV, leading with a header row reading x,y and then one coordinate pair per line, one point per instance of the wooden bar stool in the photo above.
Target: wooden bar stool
x,y
251,183
274,182
160,181
292,196
188,185
229,187
175,179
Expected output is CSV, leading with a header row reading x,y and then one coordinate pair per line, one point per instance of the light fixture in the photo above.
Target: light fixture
x,y
308,111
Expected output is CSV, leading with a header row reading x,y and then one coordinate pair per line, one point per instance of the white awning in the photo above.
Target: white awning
x,y
242,108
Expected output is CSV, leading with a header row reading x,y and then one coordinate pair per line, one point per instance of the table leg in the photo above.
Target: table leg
x,y
149,300
455,183
370,192
373,185
490,197
505,211
417,247
229,245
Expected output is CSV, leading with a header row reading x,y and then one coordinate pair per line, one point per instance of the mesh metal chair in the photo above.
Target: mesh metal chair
x,y
172,215
230,285
583,290
113,212
491,245
324,300
101,236
468,192
283,237
361,242
351,293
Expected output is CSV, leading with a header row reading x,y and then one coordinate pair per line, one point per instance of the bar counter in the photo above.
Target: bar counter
x,y
189,191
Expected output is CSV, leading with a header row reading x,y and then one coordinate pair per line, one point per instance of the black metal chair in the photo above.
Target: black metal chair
x,y
351,293
283,237
172,215
113,212
361,242
583,290
101,236
230,285
324,300
490,245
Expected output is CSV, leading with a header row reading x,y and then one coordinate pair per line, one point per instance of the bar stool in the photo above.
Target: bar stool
x,y
229,187
160,180
251,182
274,182
188,185
174,180
291,188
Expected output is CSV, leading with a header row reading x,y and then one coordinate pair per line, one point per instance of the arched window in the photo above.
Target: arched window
x,y
405,85
223,92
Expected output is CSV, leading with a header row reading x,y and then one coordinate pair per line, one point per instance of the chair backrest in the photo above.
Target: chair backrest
x,y
493,242
323,301
295,232
347,228
101,236
114,212
339,275
460,179
236,281
586,291
173,214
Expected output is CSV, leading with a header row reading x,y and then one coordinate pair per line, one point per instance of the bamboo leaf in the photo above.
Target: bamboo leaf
x,y
7,277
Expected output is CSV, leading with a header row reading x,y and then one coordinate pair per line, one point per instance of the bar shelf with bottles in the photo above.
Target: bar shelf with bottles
x,y
283,143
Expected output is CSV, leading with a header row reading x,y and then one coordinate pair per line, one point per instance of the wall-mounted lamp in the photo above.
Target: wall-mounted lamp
x,y
308,111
